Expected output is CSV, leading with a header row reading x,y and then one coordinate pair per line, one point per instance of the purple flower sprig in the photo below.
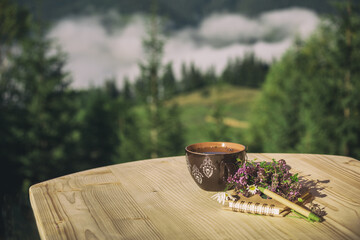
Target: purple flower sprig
x,y
274,176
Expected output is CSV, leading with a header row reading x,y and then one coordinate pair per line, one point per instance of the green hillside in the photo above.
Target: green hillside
x,y
198,107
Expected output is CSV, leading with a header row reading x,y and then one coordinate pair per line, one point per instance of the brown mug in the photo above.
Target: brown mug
x,y
211,163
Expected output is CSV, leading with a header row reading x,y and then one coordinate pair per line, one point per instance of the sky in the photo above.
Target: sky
x,y
96,52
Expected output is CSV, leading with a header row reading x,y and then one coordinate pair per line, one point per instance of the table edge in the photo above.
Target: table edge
x,y
181,156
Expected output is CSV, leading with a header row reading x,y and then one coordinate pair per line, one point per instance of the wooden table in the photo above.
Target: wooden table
x,y
158,199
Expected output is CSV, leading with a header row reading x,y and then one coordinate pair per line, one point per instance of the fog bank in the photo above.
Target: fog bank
x,y
96,52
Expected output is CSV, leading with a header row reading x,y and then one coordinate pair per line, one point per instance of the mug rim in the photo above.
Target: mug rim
x,y
221,144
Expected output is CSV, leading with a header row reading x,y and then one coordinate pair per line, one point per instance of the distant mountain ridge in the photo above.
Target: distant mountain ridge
x,y
182,13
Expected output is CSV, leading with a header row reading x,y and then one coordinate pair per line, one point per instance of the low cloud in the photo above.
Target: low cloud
x,y
96,53
224,29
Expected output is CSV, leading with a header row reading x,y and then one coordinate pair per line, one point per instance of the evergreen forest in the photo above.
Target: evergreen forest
x,y
306,102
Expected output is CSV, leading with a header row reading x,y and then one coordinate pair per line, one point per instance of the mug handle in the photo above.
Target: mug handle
x,y
226,170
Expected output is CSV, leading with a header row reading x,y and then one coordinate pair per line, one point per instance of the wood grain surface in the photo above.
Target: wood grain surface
x,y
158,199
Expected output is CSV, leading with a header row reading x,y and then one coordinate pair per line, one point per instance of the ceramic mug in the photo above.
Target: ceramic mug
x,y
211,163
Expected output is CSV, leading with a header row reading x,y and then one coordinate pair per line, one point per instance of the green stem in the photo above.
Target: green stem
x,y
300,216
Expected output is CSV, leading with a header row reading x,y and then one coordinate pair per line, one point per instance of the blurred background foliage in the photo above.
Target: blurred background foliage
x,y
185,12
308,101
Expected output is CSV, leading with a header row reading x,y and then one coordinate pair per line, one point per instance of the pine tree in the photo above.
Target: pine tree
x,y
247,72
192,78
349,54
33,117
275,122
127,91
168,82
210,76
332,103
150,74
171,134
219,131
14,26
158,114
111,88
252,71
134,144
42,99
97,129
310,101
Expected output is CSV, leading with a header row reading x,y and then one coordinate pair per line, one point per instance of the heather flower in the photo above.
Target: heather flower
x,y
274,185
242,180
275,176
286,175
282,163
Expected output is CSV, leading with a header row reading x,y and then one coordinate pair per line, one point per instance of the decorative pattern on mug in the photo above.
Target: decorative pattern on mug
x,y
197,174
207,167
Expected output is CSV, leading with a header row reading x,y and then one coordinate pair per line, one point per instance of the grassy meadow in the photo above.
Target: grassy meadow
x,y
197,110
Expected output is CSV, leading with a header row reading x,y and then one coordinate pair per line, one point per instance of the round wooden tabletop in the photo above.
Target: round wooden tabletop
x,y
158,199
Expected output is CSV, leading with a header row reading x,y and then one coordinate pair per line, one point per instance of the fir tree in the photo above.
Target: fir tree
x,y
111,88
127,91
14,26
42,100
169,87
171,135
219,131
97,129
332,103
134,144
275,119
247,72
192,78
310,101
151,75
